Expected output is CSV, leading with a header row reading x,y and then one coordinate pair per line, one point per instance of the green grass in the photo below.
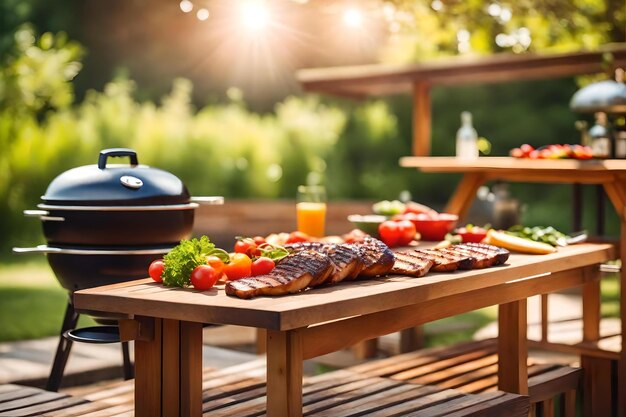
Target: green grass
x,y
32,303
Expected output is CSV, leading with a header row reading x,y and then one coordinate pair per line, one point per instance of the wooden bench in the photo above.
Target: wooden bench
x,y
473,368
240,391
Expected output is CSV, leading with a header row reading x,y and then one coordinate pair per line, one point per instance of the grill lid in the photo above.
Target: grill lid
x,y
116,185
605,96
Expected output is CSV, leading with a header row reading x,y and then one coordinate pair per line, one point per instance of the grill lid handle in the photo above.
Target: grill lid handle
x,y
115,152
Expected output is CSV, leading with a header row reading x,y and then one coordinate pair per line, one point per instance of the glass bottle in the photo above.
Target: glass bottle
x,y
466,138
619,136
600,137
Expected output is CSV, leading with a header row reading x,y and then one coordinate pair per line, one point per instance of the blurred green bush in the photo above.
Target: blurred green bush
x,y
220,149
226,149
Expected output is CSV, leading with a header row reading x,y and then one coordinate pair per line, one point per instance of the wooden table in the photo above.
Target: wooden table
x,y
166,323
611,174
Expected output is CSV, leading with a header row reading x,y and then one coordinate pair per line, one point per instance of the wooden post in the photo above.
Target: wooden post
x,y
168,368
190,369
545,319
421,118
284,373
411,339
512,347
621,371
171,378
148,374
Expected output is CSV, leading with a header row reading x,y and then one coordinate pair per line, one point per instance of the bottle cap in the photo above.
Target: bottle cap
x,y
466,118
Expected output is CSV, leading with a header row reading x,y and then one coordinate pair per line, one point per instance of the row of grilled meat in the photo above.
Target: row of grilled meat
x,y
312,264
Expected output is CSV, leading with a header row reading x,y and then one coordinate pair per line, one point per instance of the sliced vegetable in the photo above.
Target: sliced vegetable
x,y
388,208
547,235
515,243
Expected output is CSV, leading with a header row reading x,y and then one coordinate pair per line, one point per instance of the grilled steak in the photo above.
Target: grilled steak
x,y
446,261
377,258
293,273
495,254
411,263
346,260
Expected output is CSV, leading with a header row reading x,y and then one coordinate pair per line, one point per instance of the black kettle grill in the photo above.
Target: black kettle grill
x,y
104,224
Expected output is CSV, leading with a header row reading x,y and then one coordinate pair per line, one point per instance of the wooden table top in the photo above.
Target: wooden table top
x,y
147,298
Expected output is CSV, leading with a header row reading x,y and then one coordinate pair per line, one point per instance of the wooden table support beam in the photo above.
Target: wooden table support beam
x,y
284,373
512,347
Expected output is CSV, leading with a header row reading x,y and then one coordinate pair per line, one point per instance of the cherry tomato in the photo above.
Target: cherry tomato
x,y
295,237
247,246
216,263
156,270
389,233
262,266
239,267
259,240
517,153
203,277
406,232
526,149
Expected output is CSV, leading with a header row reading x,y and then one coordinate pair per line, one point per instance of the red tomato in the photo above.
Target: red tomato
x,y
516,153
216,263
247,246
259,240
239,266
203,277
526,149
389,233
406,232
472,235
156,270
262,266
295,237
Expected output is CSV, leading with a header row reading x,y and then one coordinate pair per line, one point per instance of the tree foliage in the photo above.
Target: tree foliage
x,y
429,28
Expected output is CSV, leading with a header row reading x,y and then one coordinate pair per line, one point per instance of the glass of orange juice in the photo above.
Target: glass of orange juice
x,y
311,210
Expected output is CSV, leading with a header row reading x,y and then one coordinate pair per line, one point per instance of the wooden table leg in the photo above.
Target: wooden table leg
x,y
621,366
148,374
168,370
284,373
512,348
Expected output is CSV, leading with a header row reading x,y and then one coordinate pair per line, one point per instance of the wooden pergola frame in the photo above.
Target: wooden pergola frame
x,y
418,79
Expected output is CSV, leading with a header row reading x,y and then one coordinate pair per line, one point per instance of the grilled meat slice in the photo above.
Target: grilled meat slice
x,y
377,258
411,263
346,260
466,261
445,262
500,255
293,273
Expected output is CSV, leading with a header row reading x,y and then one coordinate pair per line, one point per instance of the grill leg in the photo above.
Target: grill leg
x,y
63,349
129,369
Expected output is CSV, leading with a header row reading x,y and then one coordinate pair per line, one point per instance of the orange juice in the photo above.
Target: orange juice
x,y
311,218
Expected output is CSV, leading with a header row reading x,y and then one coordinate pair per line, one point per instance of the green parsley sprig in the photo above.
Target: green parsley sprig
x,y
182,259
